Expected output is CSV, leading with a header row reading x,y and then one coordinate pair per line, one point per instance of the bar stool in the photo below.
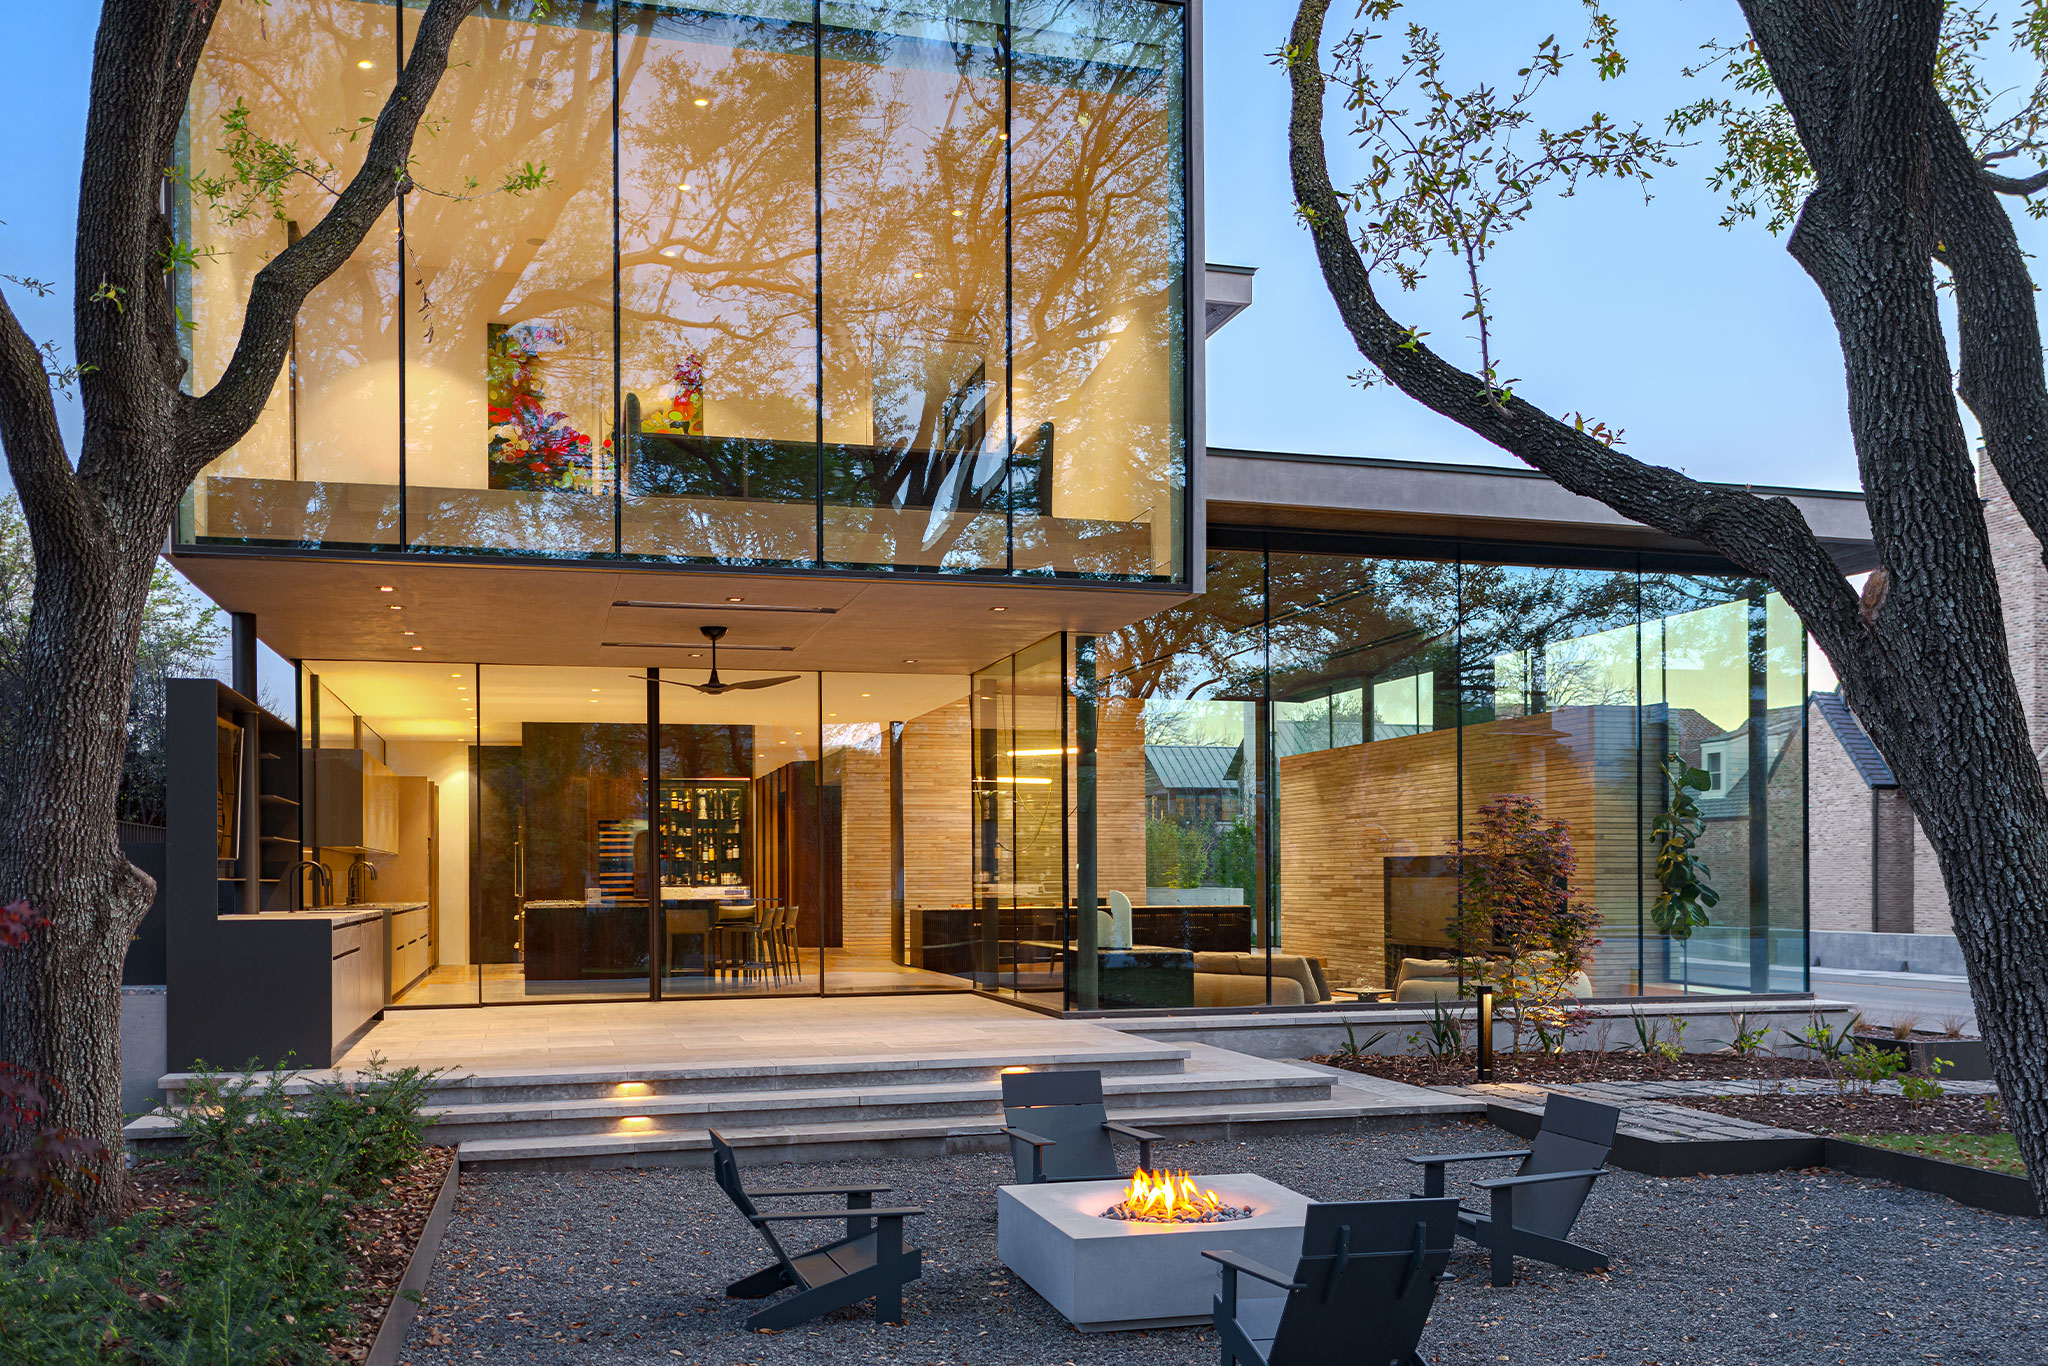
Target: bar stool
x,y
785,931
739,936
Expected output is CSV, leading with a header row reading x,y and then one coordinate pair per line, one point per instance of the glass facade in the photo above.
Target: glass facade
x,y
810,283
1298,754
1257,797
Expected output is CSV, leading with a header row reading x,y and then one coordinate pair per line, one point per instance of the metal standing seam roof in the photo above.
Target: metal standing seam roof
x,y
1196,768
1856,741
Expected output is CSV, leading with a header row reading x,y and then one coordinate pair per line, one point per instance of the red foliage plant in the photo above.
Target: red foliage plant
x,y
40,1159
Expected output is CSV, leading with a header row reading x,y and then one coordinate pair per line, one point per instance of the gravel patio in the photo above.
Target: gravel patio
x,y
627,1266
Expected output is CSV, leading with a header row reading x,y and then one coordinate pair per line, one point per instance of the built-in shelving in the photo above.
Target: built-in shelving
x,y
704,834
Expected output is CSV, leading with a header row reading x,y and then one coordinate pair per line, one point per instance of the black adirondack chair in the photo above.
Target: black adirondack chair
x,y
1059,1129
1358,1297
1533,1211
870,1262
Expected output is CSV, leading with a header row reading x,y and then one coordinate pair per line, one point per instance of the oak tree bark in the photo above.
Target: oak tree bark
x,y
1896,190
97,525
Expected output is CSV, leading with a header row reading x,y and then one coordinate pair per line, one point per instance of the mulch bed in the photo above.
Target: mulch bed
x,y
385,1234
1854,1114
1579,1065
385,1237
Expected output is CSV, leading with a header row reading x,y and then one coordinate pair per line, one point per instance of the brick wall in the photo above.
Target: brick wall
x,y
1344,811
1839,845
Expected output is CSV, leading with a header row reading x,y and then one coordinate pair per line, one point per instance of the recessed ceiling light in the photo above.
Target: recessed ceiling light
x,y
700,103
910,661
998,609
831,713
397,607
735,599
867,694
917,275
408,633
386,588
419,647
455,675
367,65
959,213
670,252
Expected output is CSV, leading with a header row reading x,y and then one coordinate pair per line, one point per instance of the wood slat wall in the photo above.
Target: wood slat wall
x,y
1344,811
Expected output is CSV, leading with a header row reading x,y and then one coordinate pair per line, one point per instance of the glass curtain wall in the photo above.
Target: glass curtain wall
x,y
1328,727
321,465
813,835
1181,828
791,283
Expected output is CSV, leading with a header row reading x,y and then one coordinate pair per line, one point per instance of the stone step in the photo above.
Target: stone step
x,y
769,1108
486,1086
862,1140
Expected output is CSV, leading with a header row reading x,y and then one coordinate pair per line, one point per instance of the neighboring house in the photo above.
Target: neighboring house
x,y
1873,869
872,348
1191,785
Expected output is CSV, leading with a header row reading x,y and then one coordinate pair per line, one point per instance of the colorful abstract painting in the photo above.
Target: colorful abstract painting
x,y
533,445
683,413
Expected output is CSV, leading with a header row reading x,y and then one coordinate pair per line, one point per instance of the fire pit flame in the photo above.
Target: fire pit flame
x,y
1172,1198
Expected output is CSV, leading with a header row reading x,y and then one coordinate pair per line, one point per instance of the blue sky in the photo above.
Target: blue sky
x,y
1709,348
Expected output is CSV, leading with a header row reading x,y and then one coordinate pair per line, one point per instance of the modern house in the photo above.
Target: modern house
x,y
782,556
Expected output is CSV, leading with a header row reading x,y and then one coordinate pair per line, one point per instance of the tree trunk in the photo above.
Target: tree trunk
x,y
60,994
1926,669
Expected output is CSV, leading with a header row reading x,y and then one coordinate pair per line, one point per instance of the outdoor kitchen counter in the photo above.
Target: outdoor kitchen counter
x,y
336,916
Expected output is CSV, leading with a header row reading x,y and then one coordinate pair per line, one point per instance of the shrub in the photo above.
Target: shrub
x,y
1516,911
259,1272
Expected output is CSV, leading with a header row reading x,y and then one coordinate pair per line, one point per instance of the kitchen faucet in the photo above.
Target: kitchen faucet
x,y
358,883
323,879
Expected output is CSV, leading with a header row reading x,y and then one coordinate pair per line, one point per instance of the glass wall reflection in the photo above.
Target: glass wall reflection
x,y
718,282
1326,726
508,343
798,282
320,466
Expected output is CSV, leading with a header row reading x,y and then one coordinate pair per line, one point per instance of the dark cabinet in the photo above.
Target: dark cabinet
x,y
355,802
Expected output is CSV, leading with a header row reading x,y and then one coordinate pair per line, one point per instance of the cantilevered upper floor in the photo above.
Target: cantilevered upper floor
x,y
815,285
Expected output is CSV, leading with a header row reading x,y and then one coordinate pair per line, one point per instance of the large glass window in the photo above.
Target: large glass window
x,y
914,252
320,466
1099,235
718,282
1366,742
508,346
767,282
1328,728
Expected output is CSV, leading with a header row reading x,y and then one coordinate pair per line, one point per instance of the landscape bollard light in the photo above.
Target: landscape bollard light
x,y
1486,1033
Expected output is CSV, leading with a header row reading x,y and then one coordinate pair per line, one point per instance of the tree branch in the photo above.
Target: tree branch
x,y
1997,329
28,426
231,407
2016,185
1766,536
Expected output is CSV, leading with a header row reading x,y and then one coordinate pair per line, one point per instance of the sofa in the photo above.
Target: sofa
x,y
1436,979
1239,979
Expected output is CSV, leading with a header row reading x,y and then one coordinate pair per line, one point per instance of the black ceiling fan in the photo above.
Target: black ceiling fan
x,y
711,686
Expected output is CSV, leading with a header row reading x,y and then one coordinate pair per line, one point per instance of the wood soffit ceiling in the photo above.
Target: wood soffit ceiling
x,y
309,608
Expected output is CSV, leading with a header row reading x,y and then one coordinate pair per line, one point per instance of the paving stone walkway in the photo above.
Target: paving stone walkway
x,y
1645,1116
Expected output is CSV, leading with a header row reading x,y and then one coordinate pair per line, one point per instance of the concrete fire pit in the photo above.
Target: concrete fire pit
x,y
1108,1274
